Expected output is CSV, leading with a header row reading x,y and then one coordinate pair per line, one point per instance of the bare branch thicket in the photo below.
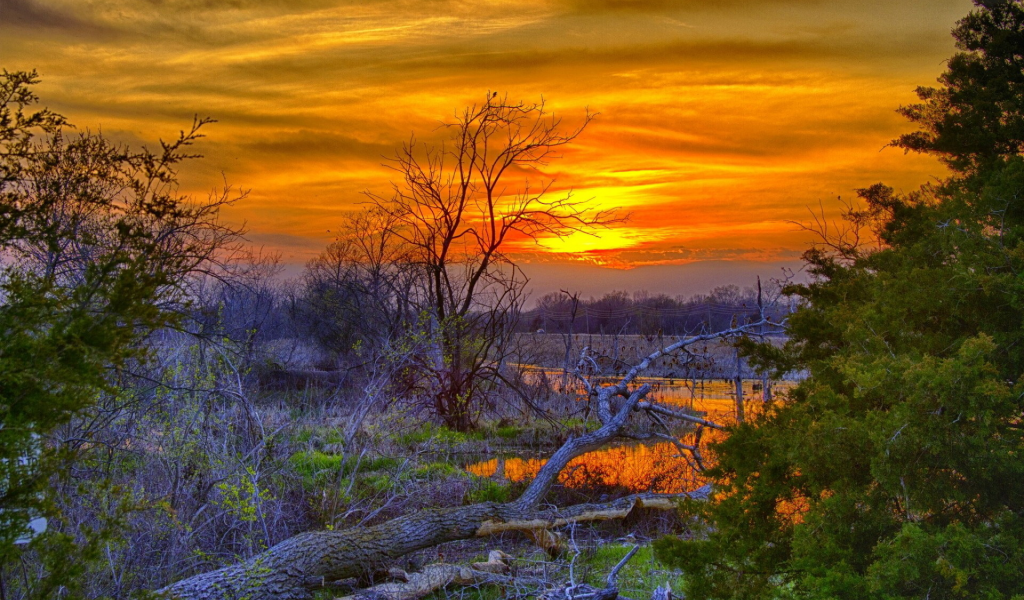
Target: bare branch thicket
x,y
360,292
857,231
295,567
456,209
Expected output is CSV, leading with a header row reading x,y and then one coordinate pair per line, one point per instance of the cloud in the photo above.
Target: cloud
x,y
665,6
295,243
32,15
507,55
222,5
317,145
719,119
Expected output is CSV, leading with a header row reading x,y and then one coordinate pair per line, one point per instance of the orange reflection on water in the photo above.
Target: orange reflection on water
x,y
655,468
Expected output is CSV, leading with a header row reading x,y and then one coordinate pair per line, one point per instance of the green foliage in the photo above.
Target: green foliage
x,y
894,470
439,435
96,243
319,435
976,118
239,496
643,574
316,467
374,484
508,432
488,490
319,469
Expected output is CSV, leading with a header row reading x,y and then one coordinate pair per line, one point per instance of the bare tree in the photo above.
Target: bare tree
x,y
456,208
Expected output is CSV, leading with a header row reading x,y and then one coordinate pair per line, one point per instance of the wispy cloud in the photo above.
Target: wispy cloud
x,y
674,6
36,17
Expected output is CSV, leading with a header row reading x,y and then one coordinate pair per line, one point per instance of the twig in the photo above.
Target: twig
x,y
614,574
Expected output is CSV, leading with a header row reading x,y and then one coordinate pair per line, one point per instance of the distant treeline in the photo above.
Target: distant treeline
x,y
642,313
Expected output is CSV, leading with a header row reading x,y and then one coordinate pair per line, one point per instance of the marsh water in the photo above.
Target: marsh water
x,y
647,467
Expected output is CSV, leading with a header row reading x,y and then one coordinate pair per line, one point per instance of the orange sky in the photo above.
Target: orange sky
x,y
719,121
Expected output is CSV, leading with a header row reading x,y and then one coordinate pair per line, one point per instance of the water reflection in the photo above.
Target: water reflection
x,y
648,468
655,468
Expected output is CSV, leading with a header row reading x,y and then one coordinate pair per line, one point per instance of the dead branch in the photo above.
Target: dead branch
x,y
438,576
297,566
583,591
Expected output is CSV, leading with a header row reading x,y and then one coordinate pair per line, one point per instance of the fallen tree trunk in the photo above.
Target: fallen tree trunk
x,y
431,578
306,562
438,576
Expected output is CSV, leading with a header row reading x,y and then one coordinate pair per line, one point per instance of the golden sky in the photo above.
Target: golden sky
x,y
720,121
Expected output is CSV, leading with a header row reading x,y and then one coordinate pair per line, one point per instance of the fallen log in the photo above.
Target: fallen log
x,y
306,562
439,575
430,579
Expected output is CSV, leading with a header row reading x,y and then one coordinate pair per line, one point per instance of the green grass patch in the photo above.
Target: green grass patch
x,y
318,435
578,424
487,490
318,468
438,434
373,484
508,432
638,579
379,463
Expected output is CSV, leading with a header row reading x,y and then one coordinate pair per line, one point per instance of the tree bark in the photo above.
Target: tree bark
x,y
296,567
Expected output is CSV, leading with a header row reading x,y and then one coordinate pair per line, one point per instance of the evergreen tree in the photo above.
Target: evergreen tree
x,y
975,120
894,470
